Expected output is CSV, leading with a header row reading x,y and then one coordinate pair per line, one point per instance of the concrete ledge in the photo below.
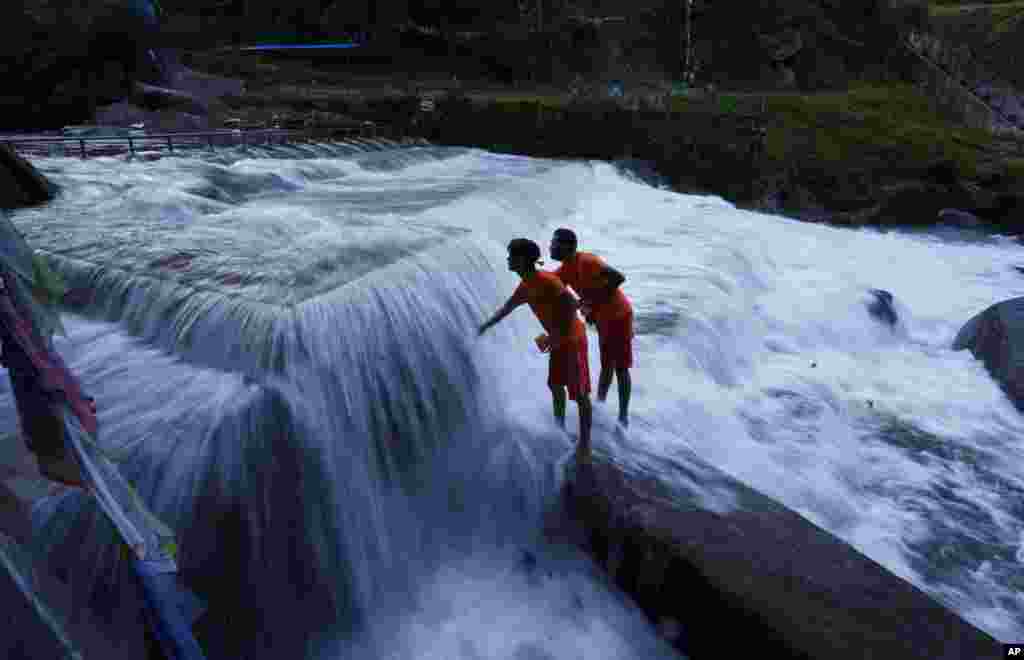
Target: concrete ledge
x,y
758,578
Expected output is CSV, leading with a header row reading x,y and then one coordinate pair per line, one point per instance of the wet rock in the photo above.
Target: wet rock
x,y
881,308
864,216
21,184
756,569
920,201
996,337
959,218
642,170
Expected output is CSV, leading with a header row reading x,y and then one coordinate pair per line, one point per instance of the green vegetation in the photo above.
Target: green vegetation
x,y
1002,15
958,4
869,124
873,121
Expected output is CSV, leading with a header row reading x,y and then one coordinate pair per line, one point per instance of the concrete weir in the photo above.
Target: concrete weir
x,y
757,579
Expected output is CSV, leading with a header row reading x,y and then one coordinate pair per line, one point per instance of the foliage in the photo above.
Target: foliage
x,y
873,121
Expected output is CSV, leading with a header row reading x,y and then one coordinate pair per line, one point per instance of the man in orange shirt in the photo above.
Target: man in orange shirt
x,y
566,340
604,304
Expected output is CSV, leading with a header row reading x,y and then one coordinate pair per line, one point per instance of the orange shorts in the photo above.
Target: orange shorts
x,y
568,366
616,340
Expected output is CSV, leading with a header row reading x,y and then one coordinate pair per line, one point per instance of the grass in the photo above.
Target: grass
x,y
956,4
874,120
1003,15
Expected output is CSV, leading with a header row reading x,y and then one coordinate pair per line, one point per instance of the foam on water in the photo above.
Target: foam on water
x,y
369,477
755,352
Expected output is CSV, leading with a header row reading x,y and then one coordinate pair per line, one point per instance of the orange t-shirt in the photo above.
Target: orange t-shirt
x,y
583,273
541,291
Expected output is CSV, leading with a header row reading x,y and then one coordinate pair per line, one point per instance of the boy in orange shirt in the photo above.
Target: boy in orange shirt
x,y
603,304
566,339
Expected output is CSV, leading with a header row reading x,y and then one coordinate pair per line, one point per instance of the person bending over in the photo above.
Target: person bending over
x,y
566,340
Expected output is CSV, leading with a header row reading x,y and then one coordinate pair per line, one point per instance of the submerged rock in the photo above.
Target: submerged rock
x,y
996,337
881,308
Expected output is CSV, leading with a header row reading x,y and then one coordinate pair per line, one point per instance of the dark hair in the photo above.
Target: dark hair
x,y
566,236
524,247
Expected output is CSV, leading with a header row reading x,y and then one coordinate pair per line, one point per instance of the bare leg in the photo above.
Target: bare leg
x,y
558,400
604,382
583,448
625,384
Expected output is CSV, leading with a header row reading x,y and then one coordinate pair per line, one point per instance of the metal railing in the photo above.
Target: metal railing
x,y
107,145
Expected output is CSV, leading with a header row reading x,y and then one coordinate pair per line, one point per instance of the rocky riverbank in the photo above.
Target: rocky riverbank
x,y
847,158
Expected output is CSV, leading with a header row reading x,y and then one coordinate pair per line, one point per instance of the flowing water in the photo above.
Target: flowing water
x,y
283,349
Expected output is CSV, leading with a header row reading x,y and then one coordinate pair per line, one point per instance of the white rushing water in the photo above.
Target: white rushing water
x,y
423,456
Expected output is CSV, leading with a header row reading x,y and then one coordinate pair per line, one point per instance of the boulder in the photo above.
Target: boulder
x,y
20,183
996,337
696,547
881,308
959,218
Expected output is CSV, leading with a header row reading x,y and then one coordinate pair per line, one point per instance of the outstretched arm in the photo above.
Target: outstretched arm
x,y
504,311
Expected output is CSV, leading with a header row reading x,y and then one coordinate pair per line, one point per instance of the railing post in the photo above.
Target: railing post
x,y
131,147
81,146
210,140
170,145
